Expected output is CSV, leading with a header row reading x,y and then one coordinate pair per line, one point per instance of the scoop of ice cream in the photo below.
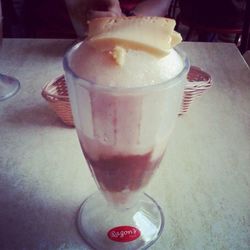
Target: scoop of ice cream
x,y
139,67
129,51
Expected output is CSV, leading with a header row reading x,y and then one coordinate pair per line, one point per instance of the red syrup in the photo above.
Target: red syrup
x,y
122,172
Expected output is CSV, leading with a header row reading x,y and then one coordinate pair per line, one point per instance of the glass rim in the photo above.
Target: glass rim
x,y
91,84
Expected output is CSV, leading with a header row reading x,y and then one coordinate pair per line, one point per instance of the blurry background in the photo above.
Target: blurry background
x,y
211,20
36,19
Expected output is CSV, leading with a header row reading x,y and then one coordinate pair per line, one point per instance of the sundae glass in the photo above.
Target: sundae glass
x,y
125,93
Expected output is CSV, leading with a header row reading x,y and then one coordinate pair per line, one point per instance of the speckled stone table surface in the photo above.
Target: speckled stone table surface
x,y
203,184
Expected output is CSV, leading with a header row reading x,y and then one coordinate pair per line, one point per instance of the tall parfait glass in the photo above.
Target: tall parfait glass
x,y
123,132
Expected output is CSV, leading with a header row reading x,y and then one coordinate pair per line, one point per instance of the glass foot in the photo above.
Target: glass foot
x,y
104,226
9,86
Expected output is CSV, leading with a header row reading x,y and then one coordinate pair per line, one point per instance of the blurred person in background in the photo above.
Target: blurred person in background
x,y
68,18
83,10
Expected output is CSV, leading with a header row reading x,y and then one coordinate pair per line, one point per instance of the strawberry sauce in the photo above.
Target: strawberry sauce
x,y
119,172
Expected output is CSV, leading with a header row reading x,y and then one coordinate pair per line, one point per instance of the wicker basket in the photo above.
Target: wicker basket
x,y
56,93
198,82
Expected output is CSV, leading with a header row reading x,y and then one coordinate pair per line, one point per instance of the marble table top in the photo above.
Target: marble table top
x,y
202,185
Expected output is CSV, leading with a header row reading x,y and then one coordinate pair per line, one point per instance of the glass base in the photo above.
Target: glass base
x,y
9,86
103,226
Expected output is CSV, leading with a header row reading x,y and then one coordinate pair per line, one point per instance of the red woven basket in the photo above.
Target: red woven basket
x,y
56,93
198,82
